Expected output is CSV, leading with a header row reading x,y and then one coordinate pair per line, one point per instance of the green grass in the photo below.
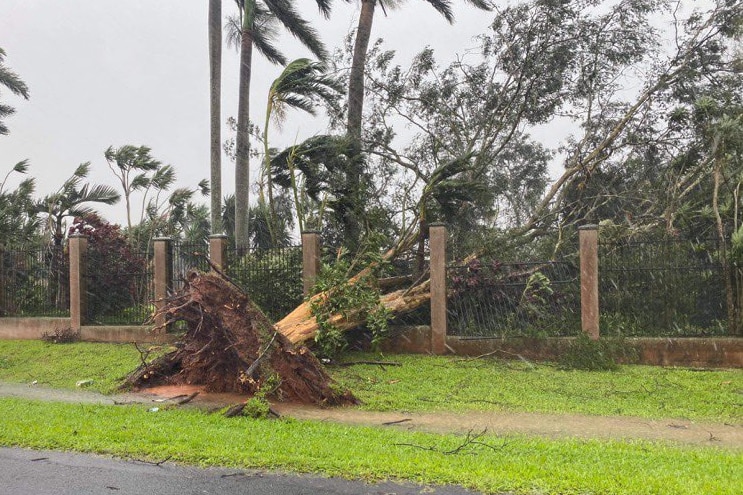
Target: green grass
x,y
428,383
453,384
516,464
63,365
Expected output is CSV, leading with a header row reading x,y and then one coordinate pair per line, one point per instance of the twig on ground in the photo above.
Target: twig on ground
x,y
187,399
469,440
390,423
373,363
155,463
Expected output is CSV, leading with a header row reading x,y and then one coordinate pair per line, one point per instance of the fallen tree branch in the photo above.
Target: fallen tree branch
x,y
469,440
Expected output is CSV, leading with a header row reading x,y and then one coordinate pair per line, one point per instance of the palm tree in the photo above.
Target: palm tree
x,y
299,86
10,80
215,83
71,200
258,26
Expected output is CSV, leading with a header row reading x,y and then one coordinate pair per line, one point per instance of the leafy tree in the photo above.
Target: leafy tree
x,y
257,26
122,284
361,45
15,84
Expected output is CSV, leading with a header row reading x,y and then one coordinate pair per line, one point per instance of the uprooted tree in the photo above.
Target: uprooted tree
x,y
541,60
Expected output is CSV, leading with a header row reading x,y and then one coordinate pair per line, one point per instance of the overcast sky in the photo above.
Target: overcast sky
x,y
115,72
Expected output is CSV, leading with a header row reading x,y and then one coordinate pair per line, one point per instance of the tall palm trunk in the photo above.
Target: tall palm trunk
x,y
356,78
273,218
242,144
215,91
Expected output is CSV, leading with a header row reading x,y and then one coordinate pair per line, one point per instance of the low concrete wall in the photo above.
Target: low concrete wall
x,y
123,333
12,328
719,352
34,329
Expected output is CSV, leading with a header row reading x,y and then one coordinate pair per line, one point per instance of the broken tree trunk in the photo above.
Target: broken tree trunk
x,y
231,346
300,325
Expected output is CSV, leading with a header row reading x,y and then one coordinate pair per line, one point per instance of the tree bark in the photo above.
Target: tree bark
x,y
356,78
215,93
242,140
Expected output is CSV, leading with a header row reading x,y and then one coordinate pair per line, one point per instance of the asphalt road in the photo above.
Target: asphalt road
x,y
32,472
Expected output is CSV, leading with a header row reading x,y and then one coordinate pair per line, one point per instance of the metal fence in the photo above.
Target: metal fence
x,y
498,300
119,286
670,287
272,278
35,282
188,256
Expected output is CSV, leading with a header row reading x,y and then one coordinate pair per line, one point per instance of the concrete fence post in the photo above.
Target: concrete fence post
x,y
437,243
589,280
78,244
310,259
218,250
163,276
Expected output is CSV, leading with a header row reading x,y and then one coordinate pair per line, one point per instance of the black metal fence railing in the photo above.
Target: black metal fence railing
x,y
272,278
35,282
188,256
672,287
119,286
495,299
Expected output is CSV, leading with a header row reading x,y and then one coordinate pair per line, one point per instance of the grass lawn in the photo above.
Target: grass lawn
x,y
428,383
517,464
514,464
434,383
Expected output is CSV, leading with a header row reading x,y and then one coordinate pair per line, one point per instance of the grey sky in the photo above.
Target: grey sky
x,y
107,72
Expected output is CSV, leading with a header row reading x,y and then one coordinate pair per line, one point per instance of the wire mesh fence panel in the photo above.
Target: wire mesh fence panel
x,y
119,286
272,278
670,287
35,282
496,299
188,256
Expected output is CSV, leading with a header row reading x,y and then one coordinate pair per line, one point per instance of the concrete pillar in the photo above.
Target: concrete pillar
x,y
310,259
78,244
437,243
589,280
163,276
218,250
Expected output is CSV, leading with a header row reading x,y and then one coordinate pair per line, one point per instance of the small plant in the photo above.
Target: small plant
x,y
61,336
595,355
257,408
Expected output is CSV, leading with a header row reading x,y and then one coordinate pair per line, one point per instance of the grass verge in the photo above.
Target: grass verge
x,y
63,365
431,383
511,464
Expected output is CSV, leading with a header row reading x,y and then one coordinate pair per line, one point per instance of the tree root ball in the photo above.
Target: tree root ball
x,y
231,346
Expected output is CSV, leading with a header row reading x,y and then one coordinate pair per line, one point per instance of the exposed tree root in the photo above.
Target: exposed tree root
x,y
230,346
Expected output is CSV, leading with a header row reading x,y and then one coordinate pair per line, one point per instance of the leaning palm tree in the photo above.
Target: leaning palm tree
x,y
257,26
10,80
301,84
215,82
73,199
